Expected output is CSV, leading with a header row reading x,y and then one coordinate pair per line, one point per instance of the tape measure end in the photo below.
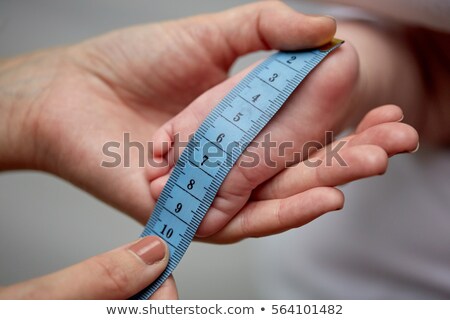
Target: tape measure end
x,y
333,44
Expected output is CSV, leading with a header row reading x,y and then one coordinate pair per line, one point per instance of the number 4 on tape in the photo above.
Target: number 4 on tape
x,y
235,122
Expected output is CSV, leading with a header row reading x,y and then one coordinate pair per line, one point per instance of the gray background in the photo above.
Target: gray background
x,y
46,223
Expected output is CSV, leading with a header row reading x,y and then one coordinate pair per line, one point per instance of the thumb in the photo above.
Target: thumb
x,y
260,26
117,274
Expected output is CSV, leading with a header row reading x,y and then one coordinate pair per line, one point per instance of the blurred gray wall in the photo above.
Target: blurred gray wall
x,y
47,224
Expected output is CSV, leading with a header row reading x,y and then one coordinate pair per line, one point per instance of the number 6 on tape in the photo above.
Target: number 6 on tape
x,y
235,122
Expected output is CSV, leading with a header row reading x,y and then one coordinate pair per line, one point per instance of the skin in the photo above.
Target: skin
x,y
58,107
117,274
377,65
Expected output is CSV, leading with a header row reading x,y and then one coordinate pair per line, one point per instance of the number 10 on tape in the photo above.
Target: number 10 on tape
x,y
229,128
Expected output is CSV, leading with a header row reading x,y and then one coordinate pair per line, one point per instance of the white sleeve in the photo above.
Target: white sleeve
x,y
434,14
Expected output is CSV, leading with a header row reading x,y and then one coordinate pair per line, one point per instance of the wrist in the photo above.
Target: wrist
x,y
23,87
10,115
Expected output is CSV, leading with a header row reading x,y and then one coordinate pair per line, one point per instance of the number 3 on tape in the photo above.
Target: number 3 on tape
x,y
228,130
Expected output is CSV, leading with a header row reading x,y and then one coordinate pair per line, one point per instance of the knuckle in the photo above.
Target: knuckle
x,y
277,213
249,175
246,229
114,279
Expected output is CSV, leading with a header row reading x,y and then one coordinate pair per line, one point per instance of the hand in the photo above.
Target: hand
x,y
61,106
338,92
305,191
320,104
118,274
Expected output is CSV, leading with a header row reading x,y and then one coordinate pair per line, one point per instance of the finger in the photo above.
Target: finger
x,y
383,114
167,291
392,137
262,218
355,163
363,155
157,186
117,274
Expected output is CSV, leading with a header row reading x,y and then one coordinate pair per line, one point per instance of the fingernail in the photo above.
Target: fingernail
x,y
329,17
321,16
150,249
416,149
401,119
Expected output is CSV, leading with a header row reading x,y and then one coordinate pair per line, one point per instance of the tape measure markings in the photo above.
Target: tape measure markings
x,y
234,122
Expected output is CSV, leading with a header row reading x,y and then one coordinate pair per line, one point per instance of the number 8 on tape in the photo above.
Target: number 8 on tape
x,y
235,122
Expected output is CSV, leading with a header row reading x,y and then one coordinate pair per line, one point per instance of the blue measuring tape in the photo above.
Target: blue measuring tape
x,y
216,146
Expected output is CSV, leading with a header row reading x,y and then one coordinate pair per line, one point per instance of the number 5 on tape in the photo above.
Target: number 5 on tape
x,y
229,128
